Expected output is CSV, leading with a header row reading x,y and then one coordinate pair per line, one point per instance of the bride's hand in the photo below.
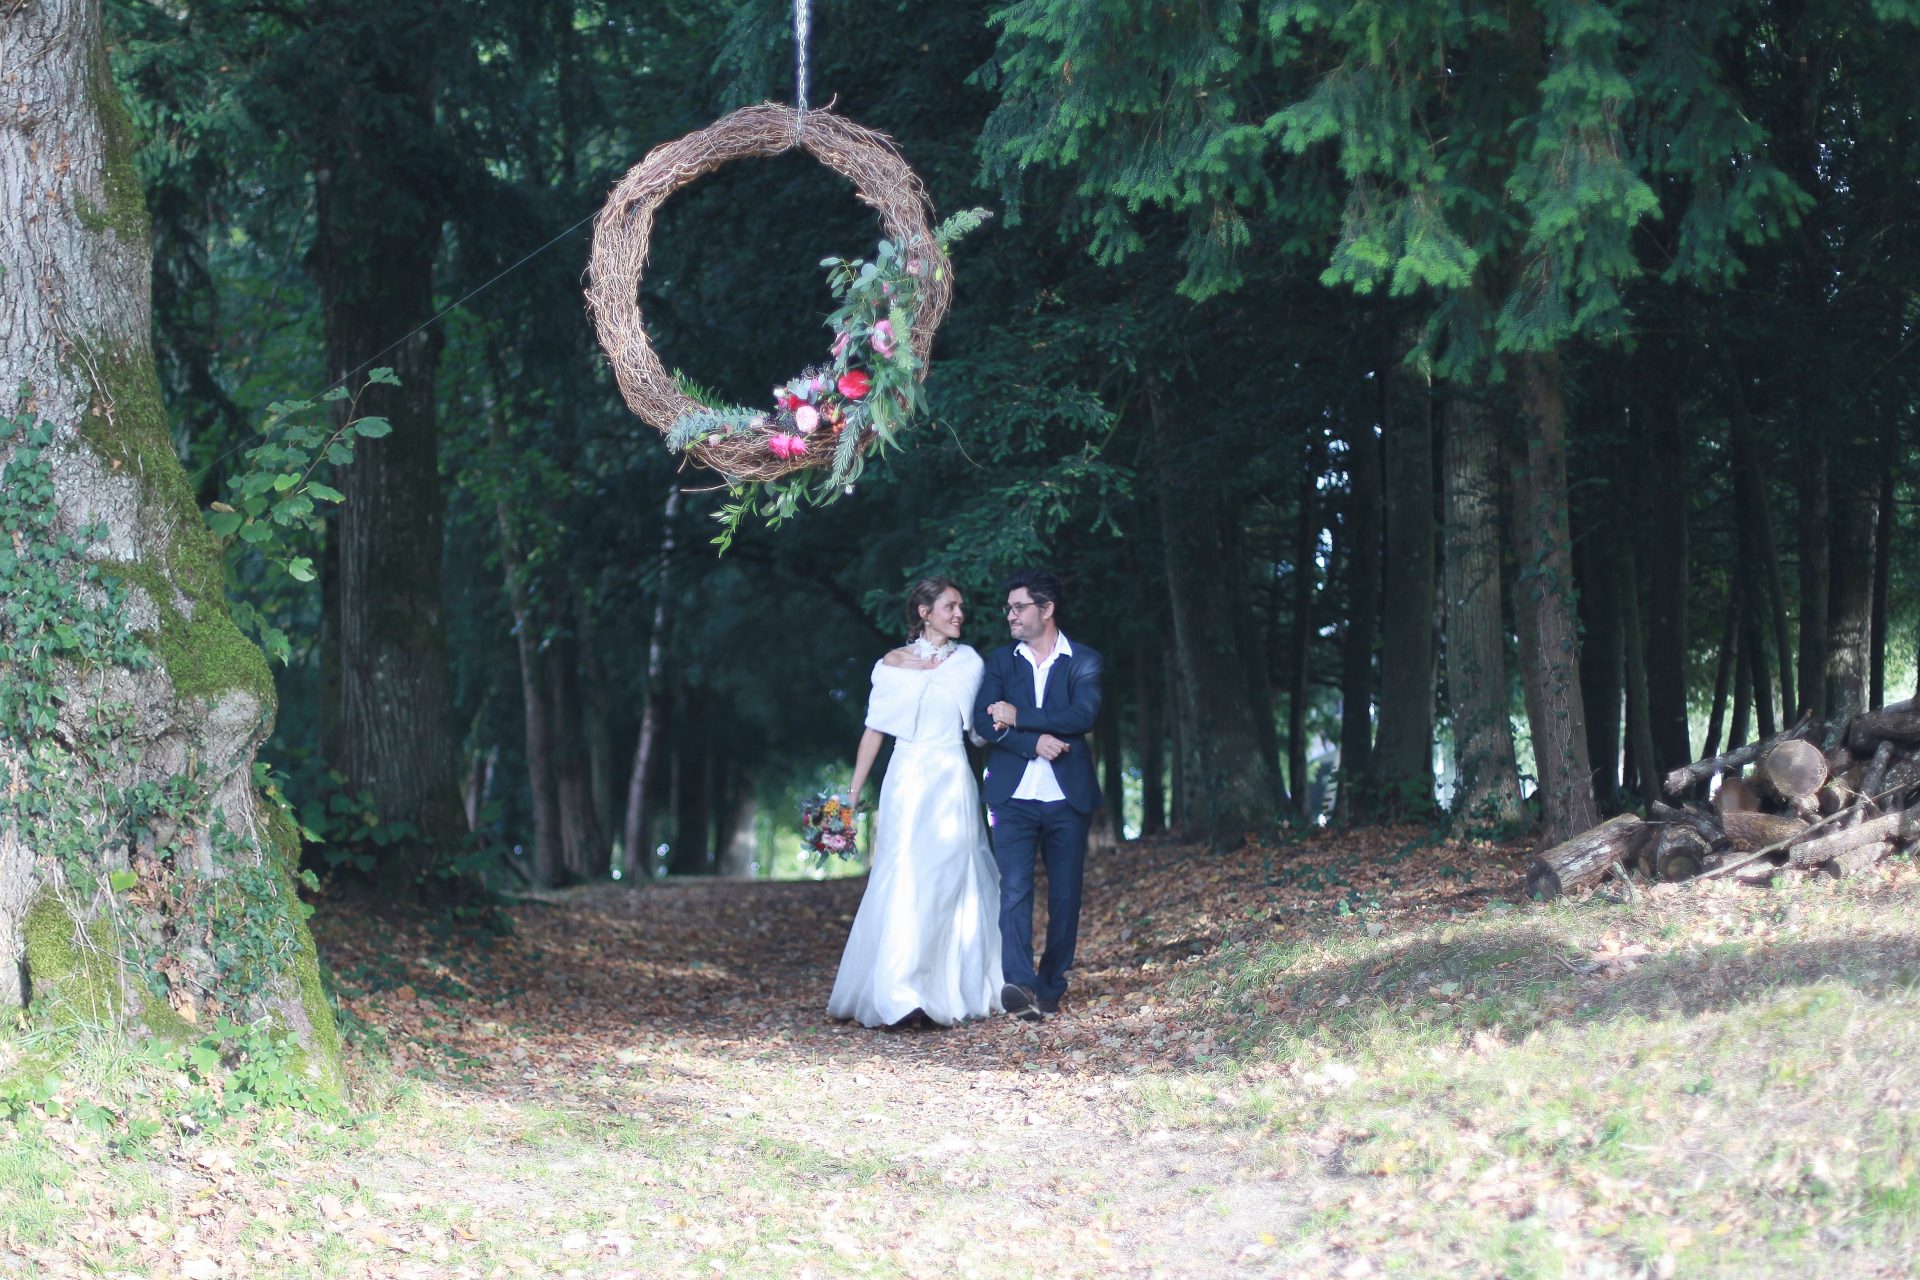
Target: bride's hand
x,y
908,659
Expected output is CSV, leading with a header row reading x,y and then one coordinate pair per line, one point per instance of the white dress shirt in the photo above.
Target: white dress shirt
x,y
1038,782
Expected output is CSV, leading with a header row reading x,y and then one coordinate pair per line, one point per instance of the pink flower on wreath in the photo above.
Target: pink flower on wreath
x,y
854,384
913,267
806,418
837,843
785,446
882,338
840,344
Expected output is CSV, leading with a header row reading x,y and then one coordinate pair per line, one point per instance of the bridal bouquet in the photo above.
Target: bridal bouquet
x,y
827,828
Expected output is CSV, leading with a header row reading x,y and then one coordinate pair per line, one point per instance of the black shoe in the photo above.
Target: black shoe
x,y
909,1022
1049,1005
1020,1002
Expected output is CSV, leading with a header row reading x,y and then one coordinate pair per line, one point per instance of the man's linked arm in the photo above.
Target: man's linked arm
x,y
1021,741
1077,713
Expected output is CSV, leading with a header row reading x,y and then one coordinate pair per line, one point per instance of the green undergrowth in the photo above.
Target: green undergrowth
x,y
1710,1080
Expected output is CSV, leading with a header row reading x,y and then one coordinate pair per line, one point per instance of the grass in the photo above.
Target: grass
x,y
1712,1081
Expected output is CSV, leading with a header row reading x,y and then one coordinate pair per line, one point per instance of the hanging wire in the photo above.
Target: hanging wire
x,y
368,363
802,28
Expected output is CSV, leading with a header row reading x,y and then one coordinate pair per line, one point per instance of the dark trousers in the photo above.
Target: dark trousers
x,y
1054,831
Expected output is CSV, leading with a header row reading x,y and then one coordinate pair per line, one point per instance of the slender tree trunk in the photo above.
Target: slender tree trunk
x,y
1745,681
1757,550
1815,528
740,854
1723,671
585,848
1403,750
1886,521
535,714
1487,795
1356,798
1640,748
1233,788
597,697
1112,758
89,729
1850,586
1148,684
638,835
1670,492
1306,547
1178,818
1595,567
1761,678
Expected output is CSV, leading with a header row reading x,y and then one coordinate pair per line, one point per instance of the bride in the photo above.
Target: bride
x,y
926,940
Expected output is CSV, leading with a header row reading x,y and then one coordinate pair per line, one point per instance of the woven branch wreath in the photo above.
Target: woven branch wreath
x,y
880,177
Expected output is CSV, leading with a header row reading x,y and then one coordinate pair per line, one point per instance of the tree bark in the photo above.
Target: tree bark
x,y
1148,684
1757,551
1814,557
585,848
1356,798
1487,793
377,232
1403,748
638,832
1670,494
535,715
1886,522
1639,730
1602,670
1306,547
1850,587
1232,787
75,345
1587,857
1726,659
1113,789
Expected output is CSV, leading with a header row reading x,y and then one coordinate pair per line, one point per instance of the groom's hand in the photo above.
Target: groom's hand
x,y
1049,747
1005,715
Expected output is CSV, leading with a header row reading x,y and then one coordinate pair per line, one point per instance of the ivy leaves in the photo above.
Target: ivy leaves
x,y
275,495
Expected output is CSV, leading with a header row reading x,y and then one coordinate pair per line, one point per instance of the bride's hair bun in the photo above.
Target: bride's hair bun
x,y
924,593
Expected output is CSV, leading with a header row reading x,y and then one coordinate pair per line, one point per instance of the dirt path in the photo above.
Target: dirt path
x,y
690,1018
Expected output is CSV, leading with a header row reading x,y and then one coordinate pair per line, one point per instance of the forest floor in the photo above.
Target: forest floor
x,y
1352,1056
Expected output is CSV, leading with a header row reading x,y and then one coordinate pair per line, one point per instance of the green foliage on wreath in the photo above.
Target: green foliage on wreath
x,y
872,330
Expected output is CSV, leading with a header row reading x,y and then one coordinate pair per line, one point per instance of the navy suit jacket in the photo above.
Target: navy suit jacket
x,y
1072,705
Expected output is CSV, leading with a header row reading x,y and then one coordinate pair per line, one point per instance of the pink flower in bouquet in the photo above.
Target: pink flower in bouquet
x,y
883,338
787,400
816,387
806,417
840,344
854,384
785,446
837,843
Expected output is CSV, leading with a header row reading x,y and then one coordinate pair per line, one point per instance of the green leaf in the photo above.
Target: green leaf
x,y
372,428
121,880
301,568
385,377
326,493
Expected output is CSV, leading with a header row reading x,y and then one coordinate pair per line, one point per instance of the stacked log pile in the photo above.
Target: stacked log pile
x,y
1828,798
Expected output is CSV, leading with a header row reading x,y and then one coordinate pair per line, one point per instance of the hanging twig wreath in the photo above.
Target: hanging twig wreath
x,y
825,419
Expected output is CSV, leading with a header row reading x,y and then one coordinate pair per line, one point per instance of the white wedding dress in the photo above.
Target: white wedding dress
x,y
927,935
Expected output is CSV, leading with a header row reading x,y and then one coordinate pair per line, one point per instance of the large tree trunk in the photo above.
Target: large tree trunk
x,y
1403,748
1886,522
376,236
1548,607
184,719
1356,796
1487,794
1232,786
638,833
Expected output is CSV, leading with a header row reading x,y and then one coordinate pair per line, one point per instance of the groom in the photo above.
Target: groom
x,y
1038,700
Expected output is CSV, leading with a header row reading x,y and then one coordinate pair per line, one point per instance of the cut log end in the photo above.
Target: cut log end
x,y
1585,859
1795,770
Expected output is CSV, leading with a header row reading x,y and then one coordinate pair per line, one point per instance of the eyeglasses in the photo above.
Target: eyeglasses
x,y
1014,610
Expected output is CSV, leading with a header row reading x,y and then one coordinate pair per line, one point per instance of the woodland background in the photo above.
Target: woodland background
x,y
1434,412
